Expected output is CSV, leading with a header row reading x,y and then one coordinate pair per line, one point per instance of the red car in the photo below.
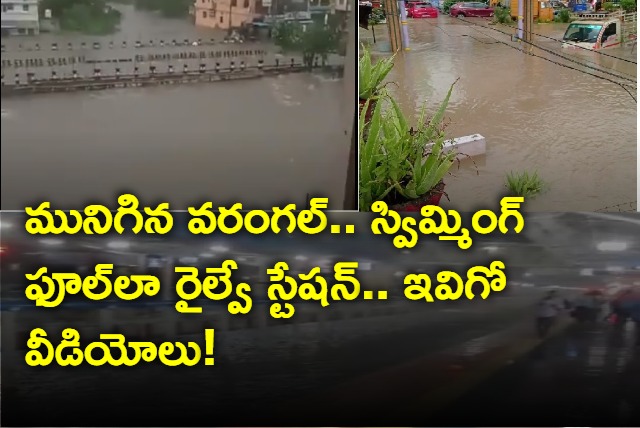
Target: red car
x,y
422,10
471,9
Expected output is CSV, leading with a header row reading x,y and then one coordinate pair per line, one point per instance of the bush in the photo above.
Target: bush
x,y
502,15
446,6
563,16
628,5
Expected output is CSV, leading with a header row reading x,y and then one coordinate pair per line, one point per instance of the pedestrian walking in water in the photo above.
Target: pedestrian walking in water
x,y
547,311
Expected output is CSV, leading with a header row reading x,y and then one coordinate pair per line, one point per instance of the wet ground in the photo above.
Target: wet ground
x,y
586,376
265,372
578,131
263,141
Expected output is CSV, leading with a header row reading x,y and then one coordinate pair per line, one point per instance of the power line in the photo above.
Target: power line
x,y
606,70
557,54
579,47
622,85
622,76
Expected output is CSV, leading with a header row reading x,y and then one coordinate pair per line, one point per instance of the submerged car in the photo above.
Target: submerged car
x,y
422,10
471,9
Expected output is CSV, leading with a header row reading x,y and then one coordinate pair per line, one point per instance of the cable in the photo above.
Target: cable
x,y
556,54
623,86
620,75
580,47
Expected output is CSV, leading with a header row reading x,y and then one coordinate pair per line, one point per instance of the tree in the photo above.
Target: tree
x,y
313,41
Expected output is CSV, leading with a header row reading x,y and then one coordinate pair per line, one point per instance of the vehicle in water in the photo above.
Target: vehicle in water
x,y
601,31
422,10
467,9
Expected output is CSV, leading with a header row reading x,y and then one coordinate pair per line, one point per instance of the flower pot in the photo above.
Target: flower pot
x,y
415,205
369,113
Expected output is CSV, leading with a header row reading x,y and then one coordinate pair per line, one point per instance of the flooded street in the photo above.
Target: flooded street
x,y
578,131
261,140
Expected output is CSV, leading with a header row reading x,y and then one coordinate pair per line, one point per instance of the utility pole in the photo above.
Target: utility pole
x,y
528,22
403,21
350,126
393,22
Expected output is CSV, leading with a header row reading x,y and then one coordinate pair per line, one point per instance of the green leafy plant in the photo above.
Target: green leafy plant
x,y
502,16
399,162
446,6
628,5
372,75
524,184
377,16
563,16
313,41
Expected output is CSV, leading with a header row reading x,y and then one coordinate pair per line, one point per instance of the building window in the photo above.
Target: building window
x,y
234,3
246,4
221,19
25,7
7,7
203,1
204,14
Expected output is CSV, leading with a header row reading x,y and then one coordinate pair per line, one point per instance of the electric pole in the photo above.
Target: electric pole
x,y
393,22
528,21
351,124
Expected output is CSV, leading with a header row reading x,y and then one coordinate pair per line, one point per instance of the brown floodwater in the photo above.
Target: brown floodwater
x,y
260,141
577,131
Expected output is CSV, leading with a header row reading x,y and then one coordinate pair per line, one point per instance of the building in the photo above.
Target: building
x,y
224,14
20,17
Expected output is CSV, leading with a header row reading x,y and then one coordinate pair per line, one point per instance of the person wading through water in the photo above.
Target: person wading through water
x,y
547,312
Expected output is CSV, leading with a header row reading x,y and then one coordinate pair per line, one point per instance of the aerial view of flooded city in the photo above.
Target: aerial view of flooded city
x,y
546,110
175,100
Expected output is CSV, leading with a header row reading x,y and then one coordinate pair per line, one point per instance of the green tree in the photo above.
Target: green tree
x,y
314,41
86,16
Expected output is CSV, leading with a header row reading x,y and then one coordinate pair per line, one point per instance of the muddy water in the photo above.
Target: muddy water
x,y
579,132
261,141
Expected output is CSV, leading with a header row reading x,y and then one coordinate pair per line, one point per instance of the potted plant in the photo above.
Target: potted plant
x,y
371,78
402,165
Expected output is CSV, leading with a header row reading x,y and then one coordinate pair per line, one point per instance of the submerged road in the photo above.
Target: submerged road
x,y
266,372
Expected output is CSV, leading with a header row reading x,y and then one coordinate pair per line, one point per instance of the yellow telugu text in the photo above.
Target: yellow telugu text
x,y
257,222
99,220
69,353
448,224
310,286
491,279
53,288
216,277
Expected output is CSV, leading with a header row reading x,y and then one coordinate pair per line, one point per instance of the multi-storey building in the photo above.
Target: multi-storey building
x,y
20,17
224,14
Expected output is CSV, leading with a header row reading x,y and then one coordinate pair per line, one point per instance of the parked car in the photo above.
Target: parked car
x,y
422,10
471,9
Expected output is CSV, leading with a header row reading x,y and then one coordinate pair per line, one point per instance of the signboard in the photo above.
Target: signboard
x,y
266,3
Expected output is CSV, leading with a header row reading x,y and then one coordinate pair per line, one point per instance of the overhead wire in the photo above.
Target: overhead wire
x,y
576,46
622,85
600,68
